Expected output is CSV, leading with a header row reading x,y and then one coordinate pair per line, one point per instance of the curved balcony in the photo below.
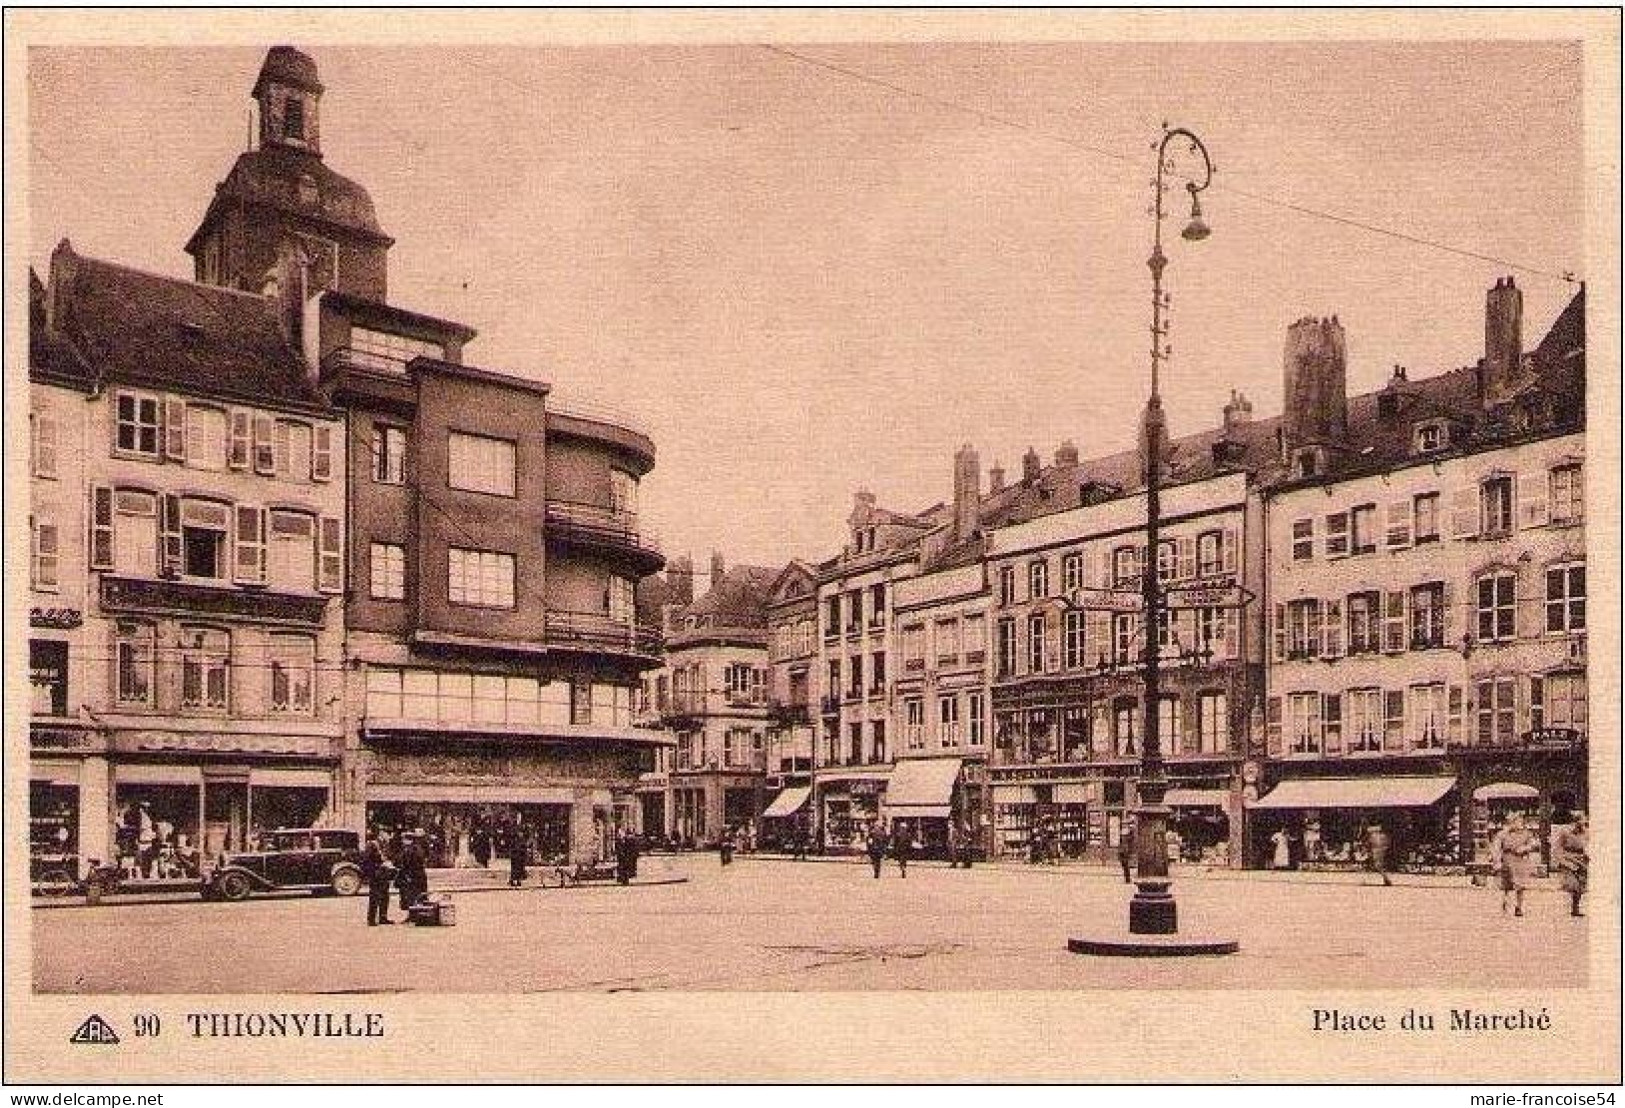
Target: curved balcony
x,y
604,531
596,633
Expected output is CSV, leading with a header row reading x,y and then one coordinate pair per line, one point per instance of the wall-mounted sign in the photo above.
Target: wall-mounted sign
x,y
1205,596
62,619
1106,600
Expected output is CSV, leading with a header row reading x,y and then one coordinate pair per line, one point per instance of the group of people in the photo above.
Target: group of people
x,y
898,843
152,847
1515,855
398,861
1374,847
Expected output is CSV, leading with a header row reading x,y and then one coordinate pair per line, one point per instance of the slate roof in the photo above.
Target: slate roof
x,y
270,176
141,329
739,600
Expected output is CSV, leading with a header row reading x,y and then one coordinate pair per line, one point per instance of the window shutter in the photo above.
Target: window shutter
x,y
1337,535
264,444
1464,513
1332,636
1312,646
1185,558
1278,634
1399,524
248,562
1452,620
45,554
171,558
1190,742
1228,647
1393,708
240,440
174,429
321,453
1393,624
330,557
1533,499
1331,723
45,444
1455,715
101,527
1272,727
1227,552
1097,640
1091,566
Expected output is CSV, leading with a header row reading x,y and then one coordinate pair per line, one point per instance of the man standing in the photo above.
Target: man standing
x,y
902,845
379,873
1377,846
413,876
1125,852
1569,855
876,846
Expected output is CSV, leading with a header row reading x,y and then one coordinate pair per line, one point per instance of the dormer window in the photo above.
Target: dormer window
x,y
1431,436
1306,464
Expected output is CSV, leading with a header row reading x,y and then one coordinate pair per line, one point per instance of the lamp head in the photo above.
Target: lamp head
x,y
1197,229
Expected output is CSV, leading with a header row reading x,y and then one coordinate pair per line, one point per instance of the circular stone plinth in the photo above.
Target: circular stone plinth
x,y
1126,944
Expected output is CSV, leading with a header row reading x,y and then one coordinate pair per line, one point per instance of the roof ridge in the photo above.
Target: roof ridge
x,y
139,272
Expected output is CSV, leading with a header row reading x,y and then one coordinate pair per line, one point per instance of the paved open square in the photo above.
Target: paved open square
x,y
784,926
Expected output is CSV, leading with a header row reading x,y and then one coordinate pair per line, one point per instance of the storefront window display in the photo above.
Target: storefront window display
x,y
53,838
1422,840
155,833
468,835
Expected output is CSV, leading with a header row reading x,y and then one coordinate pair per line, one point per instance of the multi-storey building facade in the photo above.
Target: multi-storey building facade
x,y
193,475
1427,590
792,654
712,696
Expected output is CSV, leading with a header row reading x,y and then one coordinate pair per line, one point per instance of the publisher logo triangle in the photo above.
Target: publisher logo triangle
x,y
95,1031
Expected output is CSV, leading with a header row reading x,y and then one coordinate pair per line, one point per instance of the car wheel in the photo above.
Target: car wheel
x,y
346,882
234,886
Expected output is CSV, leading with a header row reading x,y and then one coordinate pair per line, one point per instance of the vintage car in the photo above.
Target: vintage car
x,y
321,860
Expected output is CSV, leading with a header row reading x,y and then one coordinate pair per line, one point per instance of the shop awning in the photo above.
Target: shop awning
x,y
922,787
787,803
1506,790
1196,798
1357,792
468,794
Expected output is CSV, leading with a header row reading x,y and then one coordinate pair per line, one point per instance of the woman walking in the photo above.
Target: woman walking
x,y
1569,855
1513,852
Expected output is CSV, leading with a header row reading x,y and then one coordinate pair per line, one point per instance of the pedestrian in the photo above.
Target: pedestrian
x,y
379,873
798,844
516,860
725,846
1281,854
876,846
959,845
1376,845
902,845
1311,842
412,878
1125,852
481,847
1570,856
1172,843
623,851
1513,852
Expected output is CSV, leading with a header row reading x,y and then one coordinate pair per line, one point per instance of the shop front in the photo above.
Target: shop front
x,y
848,804
922,803
787,819
1326,823
1200,825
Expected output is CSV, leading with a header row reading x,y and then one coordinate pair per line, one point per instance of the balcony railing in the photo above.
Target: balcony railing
x,y
597,525
596,631
597,413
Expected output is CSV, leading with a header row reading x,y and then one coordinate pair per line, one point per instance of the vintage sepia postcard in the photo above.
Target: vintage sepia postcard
x,y
812,546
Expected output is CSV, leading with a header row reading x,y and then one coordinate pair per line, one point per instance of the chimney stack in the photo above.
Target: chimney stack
x,y
995,479
1238,412
1503,340
967,491
1029,466
1066,454
1315,395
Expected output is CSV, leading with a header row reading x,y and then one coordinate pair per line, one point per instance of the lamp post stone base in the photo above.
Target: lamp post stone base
x,y
1152,911
1127,945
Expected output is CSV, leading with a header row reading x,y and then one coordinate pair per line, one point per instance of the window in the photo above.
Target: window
x,y
947,641
1426,514
48,677
914,646
1365,623
1337,535
1125,638
137,422
45,550
1210,554
1427,616
133,663
1074,654
620,599
877,672
854,611
1037,634
1170,722
1212,723
1213,631
854,732
1303,540
1364,712
205,437
1125,726
976,717
480,464
1427,704
854,673
480,578
1167,561
1431,437
877,737
204,525
291,557
1495,506
1072,572
135,533
1497,607
1363,529
948,721
834,685
1393,723
1006,646
1566,597
387,352
1562,701
1303,629
1303,722
1126,566
291,450
388,455
1007,585
293,668
975,638
877,604
44,444
1497,699
205,668
1038,579
832,618
293,118
1568,494
388,576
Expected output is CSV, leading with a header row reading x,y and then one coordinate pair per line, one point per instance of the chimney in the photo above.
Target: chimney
x,y
1029,466
680,580
1503,340
717,568
1315,395
995,479
967,491
1238,412
1066,454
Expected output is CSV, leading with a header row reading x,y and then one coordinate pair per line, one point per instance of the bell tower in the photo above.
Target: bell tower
x,y
289,97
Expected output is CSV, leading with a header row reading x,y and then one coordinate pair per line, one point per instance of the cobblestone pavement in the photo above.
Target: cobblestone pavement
x,y
772,925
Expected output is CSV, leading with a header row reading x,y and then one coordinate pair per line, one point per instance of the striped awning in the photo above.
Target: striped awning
x,y
1357,792
787,803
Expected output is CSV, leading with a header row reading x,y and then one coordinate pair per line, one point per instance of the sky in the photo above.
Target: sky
x,y
806,275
